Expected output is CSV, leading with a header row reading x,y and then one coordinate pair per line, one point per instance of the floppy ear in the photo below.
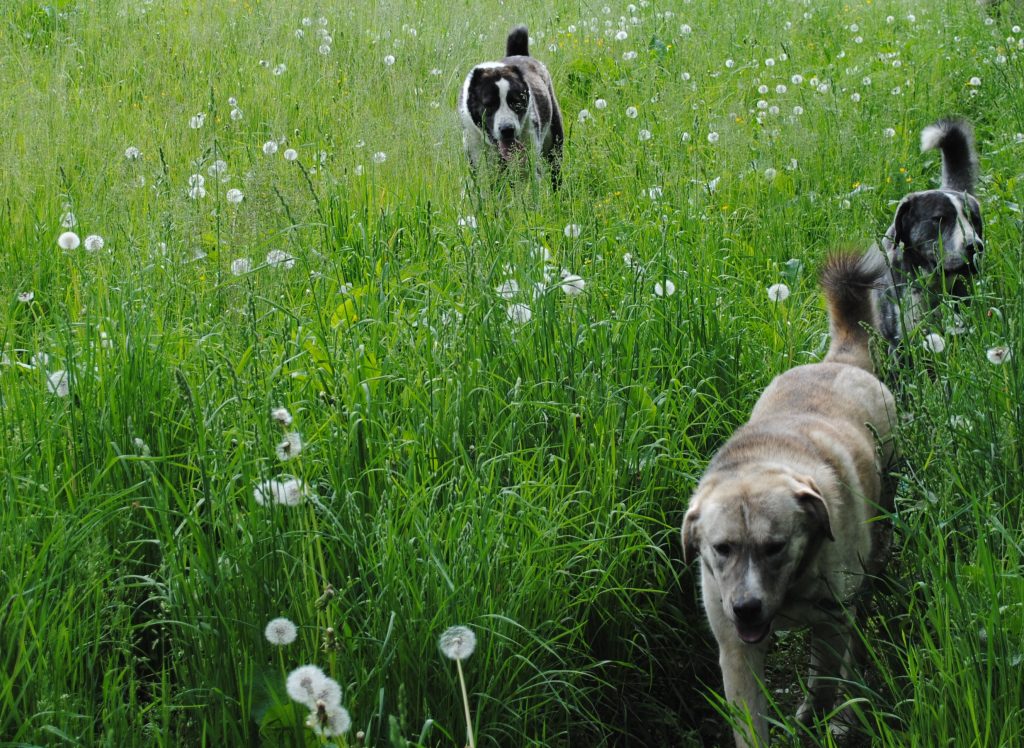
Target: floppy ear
x,y
691,541
809,498
901,224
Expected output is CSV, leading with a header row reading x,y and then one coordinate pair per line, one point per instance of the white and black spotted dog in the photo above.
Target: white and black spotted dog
x,y
935,239
509,105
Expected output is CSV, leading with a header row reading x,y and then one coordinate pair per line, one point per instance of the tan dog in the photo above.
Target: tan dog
x,y
781,517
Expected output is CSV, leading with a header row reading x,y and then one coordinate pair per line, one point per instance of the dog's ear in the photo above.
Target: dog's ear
x,y
809,498
691,541
901,224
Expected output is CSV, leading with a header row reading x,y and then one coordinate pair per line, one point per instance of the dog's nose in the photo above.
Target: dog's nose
x,y
971,252
747,609
507,132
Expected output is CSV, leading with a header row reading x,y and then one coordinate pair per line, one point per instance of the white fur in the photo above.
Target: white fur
x,y
931,137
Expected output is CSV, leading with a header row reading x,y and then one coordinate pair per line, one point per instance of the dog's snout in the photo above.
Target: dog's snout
x,y
747,609
507,132
971,252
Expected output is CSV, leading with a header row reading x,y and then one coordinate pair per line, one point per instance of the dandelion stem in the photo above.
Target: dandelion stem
x,y
465,704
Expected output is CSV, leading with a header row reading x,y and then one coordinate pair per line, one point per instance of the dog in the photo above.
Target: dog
x,y
781,519
936,237
509,106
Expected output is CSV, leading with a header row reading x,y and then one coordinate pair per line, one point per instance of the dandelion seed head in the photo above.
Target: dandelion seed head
x,y
197,120
644,135
998,355
241,266
457,642
389,60
279,69
270,147
934,343
132,153
664,289
68,240
572,284
303,683
290,447
712,137
290,154
329,721
93,243
58,383
235,196
380,157
519,313
68,220
778,292
632,112
280,631
26,297
278,258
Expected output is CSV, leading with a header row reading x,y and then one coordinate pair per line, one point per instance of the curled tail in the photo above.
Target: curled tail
x,y
848,280
955,138
518,42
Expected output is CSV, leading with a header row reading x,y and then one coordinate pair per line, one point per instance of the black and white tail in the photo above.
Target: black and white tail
x,y
848,280
955,138
518,42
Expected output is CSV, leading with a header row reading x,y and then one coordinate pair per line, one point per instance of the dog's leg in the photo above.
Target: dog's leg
x,y
742,675
830,643
742,667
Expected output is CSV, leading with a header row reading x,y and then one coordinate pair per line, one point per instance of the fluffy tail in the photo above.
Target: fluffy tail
x,y
518,42
848,280
955,138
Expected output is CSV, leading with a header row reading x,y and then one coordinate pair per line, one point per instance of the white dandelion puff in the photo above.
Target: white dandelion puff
x,y
508,289
241,266
68,220
934,343
329,721
998,355
93,243
572,230
58,383
279,69
621,36
270,147
468,222
632,112
644,135
132,153
68,240
278,258
457,642
290,447
282,416
519,313
572,284
770,174
197,120
664,289
380,157
712,137
975,81
235,196
889,132
305,684
583,116
25,297
197,193
280,632
389,60
290,154
778,292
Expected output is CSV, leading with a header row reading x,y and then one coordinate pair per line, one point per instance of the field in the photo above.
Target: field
x,y
500,396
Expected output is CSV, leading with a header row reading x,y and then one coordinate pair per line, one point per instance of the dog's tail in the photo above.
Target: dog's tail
x,y
848,280
955,138
518,42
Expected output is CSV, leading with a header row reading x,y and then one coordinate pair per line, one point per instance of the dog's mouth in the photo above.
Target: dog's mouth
x,y
751,633
509,148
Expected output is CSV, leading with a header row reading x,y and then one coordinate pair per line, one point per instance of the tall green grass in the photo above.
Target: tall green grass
x,y
525,479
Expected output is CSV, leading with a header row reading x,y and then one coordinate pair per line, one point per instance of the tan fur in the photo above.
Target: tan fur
x,y
781,518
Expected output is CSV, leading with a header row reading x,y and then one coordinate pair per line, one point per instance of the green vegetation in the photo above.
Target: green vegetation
x,y
460,465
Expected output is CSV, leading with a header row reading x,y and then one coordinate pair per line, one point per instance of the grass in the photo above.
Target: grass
x,y
525,479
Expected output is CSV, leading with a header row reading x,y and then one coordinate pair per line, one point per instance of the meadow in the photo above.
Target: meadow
x,y
295,362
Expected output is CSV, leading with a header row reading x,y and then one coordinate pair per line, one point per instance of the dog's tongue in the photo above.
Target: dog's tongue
x,y
505,149
753,634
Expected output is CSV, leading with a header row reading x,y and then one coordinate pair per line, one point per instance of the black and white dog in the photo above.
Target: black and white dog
x,y
936,237
509,106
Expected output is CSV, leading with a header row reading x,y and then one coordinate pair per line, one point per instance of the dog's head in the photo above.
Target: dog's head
x,y
496,97
937,236
755,534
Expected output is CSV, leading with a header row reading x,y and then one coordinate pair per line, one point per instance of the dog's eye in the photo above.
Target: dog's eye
x,y
722,549
774,549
